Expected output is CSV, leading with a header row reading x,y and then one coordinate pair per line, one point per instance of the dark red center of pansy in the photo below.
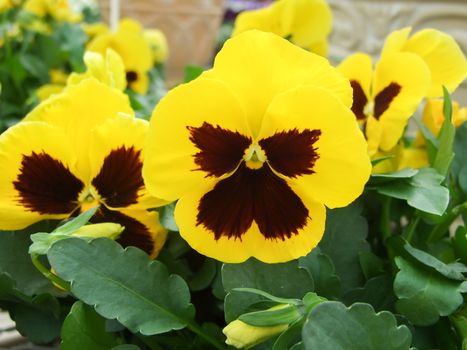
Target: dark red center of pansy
x,y
359,100
253,195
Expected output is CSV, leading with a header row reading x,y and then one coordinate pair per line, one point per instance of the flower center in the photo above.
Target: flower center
x,y
254,156
369,108
88,199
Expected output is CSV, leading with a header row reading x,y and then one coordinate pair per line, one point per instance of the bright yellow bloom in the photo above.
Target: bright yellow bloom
x,y
438,50
306,23
158,43
385,99
108,69
134,51
94,29
254,156
58,9
433,116
77,150
402,158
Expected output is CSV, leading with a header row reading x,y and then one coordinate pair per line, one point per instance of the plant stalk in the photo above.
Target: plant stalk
x,y
48,274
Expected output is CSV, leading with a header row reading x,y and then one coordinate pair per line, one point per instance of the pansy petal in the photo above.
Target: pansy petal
x,y
401,81
142,228
358,68
258,19
78,110
38,178
396,40
279,64
171,166
447,63
340,145
116,161
252,243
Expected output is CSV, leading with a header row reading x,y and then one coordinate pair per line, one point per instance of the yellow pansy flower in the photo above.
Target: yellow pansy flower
x,y
306,23
433,116
438,50
134,51
77,150
158,44
108,69
94,29
402,157
252,156
384,99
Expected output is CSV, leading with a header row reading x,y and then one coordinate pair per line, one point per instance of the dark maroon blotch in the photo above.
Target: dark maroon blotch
x,y
120,177
131,77
359,99
221,150
292,153
248,195
385,97
45,185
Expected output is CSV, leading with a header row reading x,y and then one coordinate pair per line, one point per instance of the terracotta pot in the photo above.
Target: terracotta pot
x,y
191,28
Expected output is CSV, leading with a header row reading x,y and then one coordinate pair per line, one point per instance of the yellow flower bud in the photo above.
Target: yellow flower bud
x,y
242,335
106,229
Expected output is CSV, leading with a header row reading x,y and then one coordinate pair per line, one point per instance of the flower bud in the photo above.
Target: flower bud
x,y
106,229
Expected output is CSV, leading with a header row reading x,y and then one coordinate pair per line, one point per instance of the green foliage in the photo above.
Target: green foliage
x,y
85,329
444,154
425,295
459,164
332,326
123,284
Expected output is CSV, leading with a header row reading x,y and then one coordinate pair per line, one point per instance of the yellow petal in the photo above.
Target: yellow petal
x,y
242,335
396,40
257,66
169,169
17,142
358,67
409,72
252,243
373,132
341,145
78,110
158,43
46,91
443,56
141,84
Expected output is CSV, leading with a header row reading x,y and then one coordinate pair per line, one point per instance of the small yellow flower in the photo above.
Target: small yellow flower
x,y
158,43
243,336
134,51
108,69
94,29
306,23
439,51
385,99
253,157
433,116
58,9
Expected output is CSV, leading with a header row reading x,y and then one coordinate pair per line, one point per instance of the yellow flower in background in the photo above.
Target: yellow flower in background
x,y
306,23
134,51
439,51
5,5
77,150
384,99
253,157
158,44
58,9
402,157
108,69
94,29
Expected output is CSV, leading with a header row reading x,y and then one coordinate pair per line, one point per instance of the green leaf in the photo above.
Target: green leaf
x,y
371,264
16,262
289,336
85,329
38,320
424,294
332,326
166,217
446,135
377,292
430,141
192,72
275,317
401,174
285,280
459,242
459,164
422,191
321,268
126,347
268,296
344,239
123,284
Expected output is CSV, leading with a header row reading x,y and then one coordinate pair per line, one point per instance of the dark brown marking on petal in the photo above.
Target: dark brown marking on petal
x,y
220,150
45,185
120,177
231,206
131,77
359,100
135,234
292,153
385,97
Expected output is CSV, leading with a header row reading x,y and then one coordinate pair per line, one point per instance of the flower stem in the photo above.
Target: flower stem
x,y
385,224
411,228
48,274
195,328
439,230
